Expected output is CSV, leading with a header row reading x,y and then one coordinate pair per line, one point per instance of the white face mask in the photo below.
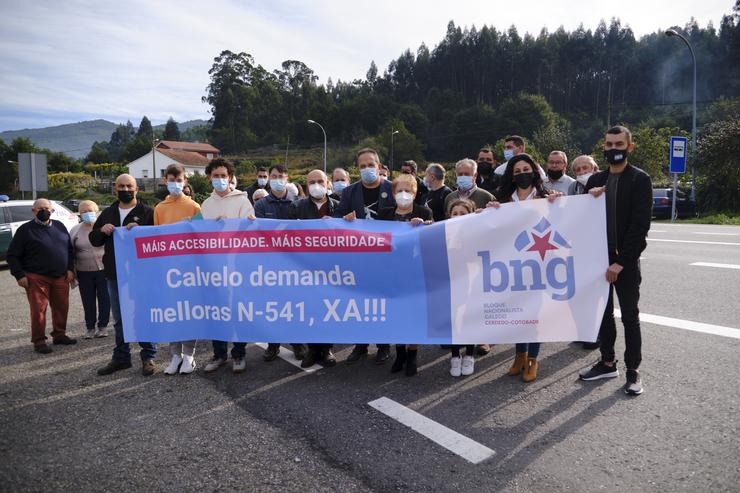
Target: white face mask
x,y
317,191
404,199
582,179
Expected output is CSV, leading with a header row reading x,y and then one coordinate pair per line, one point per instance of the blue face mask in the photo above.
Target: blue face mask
x,y
369,175
508,154
174,187
220,184
278,185
464,182
89,217
339,186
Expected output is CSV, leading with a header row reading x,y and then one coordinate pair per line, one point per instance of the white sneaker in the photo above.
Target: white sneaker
x,y
90,334
239,365
101,333
188,365
468,365
174,365
455,363
214,364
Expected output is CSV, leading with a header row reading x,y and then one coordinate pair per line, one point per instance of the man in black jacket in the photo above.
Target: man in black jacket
x,y
318,204
487,179
261,183
129,212
629,200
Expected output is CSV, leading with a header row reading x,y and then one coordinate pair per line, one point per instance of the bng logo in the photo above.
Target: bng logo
x,y
533,274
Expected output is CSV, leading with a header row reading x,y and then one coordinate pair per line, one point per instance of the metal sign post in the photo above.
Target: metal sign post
x,y
677,165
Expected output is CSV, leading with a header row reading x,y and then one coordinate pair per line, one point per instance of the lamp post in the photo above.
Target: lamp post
x,y
673,32
154,164
390,172
324,131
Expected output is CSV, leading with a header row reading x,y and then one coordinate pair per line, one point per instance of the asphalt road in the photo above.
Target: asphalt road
x,y
277,427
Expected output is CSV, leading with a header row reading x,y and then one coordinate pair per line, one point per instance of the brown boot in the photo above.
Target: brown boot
x,y
530,370
517,367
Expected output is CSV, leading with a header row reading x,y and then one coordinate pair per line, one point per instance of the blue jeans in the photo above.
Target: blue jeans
x,y
93,287
122,351
531,348
220,349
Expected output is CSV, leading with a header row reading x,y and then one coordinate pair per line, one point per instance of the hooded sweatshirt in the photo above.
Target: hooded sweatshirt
x,y
234,205
175,209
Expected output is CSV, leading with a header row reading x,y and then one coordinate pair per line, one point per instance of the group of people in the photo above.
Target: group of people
x,y
46,260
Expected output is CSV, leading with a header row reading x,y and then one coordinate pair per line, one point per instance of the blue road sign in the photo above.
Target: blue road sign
x,y
678,154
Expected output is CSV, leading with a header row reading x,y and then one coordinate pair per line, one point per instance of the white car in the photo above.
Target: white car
x,y
13,213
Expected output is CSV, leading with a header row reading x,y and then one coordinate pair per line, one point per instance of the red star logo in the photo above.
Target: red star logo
x,y
542,244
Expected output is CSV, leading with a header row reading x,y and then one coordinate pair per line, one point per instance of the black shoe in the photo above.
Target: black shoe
x,y
42,348
482,349
271,353
310,359
592,345
411,362
328,359
65,341
299,351
359,351
633,386
114,366
147,367
384,352
400,358
599,371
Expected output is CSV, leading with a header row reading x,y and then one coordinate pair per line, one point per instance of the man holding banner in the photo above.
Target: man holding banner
x,y
629,201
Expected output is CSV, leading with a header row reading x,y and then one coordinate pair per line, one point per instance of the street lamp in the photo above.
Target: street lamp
x,y
390,173
673,32
322,129
154,164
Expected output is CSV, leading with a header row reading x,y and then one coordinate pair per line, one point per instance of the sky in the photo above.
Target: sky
x,y
64,62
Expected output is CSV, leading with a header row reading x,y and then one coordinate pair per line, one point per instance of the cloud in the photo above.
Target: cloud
x,y
68,61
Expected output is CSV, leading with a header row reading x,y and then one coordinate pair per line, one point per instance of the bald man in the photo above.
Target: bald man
x,y
41,259
128,212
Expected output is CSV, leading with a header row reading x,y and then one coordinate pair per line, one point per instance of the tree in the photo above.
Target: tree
x,y
171,130
145,129
98,153
718,166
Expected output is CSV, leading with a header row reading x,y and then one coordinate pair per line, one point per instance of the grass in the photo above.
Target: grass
x,y
722,218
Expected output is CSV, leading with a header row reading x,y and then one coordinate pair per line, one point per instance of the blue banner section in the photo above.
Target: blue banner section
x,y
285,281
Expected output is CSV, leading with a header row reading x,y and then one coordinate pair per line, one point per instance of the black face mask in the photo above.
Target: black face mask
x,y
43,215
555,174
485,168
524,180
616,156
125,196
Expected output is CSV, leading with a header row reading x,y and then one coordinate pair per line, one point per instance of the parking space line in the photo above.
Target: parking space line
x,y
718,330
712,264
696,241
453,441
718,234
290,358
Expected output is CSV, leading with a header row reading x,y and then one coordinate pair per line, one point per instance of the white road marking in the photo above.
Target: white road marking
x,y
696,241
289,357
658,231
718,234
453,441
677,323
712,264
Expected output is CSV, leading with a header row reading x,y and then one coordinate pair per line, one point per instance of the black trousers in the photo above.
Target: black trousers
x,y
627,287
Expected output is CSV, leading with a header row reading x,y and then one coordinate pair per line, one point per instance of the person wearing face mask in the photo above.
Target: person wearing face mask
x,y
294,192
174,208
126,212
434,178
466,171
410,168
629,201
514,145
557,163
404,191
317,205
487,179
89,272
583,168
277,205
340,181
41,259
225,204
522,181
261,183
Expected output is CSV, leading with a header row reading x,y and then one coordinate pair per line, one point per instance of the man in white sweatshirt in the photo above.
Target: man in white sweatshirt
x,y
226,203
